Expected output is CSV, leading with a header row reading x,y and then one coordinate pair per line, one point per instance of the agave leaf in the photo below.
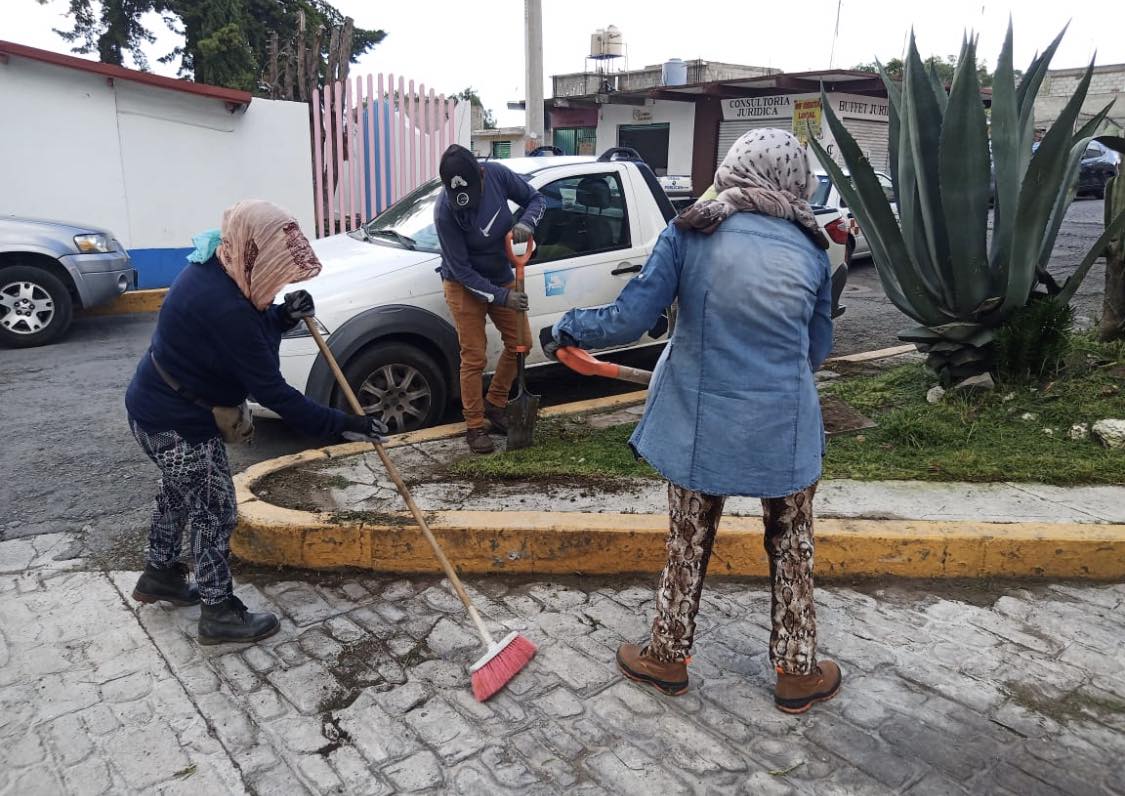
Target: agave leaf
x,y
939,89
1066,197
920,334
922,118
964,173
1033,80
894,95
1046,177
1005,158
1096,251
865,197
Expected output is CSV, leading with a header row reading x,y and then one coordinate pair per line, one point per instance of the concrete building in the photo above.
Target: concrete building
x,y
686,129
1107,85
151,158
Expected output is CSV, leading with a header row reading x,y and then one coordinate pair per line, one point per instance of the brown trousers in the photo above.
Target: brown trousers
x,y
693,521
469,313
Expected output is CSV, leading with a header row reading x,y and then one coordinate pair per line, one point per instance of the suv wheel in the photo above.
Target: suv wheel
x,y
35,307
399,384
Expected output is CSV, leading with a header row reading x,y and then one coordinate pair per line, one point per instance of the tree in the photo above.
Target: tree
x,y
488,121
945,68
225,42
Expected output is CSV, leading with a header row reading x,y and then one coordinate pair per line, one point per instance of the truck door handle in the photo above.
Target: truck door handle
x,y
625,268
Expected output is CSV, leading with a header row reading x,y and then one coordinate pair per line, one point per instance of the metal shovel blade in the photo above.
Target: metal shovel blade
x,y
522,413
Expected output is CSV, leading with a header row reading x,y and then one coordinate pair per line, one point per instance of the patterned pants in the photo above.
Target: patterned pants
x,y
694,520
196,489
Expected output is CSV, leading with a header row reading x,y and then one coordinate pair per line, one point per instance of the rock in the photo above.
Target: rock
x,y
1079,431
982,382
1110,432
1082,323
1050,432
1009,397
1029,416
935,395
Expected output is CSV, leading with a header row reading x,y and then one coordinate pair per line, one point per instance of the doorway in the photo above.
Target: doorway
x,y
650,140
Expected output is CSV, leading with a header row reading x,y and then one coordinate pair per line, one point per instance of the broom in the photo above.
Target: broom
x,y
501,661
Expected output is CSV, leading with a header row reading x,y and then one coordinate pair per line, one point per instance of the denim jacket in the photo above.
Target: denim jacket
x,y
732,408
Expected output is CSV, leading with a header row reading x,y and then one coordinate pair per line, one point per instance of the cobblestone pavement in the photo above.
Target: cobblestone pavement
x,y
1006,689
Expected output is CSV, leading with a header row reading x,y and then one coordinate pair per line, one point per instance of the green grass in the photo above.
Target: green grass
x,y
980,438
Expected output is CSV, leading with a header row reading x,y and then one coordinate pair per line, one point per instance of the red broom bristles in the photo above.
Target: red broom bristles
x,y
493,672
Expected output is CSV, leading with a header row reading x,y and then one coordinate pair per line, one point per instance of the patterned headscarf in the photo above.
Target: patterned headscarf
x,y
766,171
263,250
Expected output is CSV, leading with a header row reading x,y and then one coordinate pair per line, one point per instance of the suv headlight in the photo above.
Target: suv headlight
x,y
94,243
300,330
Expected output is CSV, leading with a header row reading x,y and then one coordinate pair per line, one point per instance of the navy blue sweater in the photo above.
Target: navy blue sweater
x,y
472,242
220,347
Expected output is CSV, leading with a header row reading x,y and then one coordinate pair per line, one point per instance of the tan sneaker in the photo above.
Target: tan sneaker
x,y
479,441
635,663
797,693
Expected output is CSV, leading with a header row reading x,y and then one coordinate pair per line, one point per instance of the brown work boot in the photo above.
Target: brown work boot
x,y
497,416
797,693
479,441
638,665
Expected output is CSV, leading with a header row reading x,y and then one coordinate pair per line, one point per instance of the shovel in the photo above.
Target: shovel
x,y
524,408
584,363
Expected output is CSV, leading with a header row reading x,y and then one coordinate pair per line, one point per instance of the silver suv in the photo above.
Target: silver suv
x,y
50,268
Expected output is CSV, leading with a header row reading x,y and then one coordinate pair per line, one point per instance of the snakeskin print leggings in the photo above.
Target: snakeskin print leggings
x,y
195,488
693,522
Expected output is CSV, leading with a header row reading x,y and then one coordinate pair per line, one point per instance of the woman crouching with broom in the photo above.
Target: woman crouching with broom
x,y
733,407
216,342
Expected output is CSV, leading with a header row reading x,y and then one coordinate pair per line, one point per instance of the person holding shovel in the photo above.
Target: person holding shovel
x,y
216,342
732,407
472,219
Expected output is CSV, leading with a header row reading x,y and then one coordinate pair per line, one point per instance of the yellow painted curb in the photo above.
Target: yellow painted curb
x,y
559,543
556,543
871,356
130,302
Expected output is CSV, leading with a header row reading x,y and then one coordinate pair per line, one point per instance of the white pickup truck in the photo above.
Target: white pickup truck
x,y
379,299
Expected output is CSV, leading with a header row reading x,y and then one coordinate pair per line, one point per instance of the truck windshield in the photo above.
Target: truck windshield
x,y
409,223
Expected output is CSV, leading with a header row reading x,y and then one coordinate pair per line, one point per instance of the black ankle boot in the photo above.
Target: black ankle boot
x,y
231,622
169,584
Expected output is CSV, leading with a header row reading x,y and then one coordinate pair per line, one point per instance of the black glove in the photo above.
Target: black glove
x,y
550,344
365,429
521,233
298,305
516,301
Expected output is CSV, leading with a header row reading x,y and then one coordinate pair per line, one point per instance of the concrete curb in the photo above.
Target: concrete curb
x,y
131,302
558,543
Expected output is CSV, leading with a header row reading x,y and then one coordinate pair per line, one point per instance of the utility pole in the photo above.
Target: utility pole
x,y
533,60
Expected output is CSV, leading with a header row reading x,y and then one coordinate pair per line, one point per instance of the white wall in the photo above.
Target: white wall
x,y
680,117
153,165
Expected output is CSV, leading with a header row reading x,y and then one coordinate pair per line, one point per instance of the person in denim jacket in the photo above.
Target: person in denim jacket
x,y
733,407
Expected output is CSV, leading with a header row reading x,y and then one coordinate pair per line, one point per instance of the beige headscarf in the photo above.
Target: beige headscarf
x,y
766,171
263,250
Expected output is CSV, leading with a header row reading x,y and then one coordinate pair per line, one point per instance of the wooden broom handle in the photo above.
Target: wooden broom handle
x,y
392,471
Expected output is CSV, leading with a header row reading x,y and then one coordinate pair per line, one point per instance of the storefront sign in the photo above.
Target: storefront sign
x,y
783,108
641,115
855,106
806,116
778,107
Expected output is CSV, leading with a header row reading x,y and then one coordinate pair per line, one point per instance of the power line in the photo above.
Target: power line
x,y
835,35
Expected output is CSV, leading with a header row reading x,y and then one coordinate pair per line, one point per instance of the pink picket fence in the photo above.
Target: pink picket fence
x,y
374,141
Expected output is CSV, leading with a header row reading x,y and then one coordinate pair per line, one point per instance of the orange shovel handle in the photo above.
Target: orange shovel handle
x,y
519,262
584,363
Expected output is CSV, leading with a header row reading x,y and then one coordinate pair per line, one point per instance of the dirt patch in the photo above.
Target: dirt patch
x,y
300,490
1073,706
842,418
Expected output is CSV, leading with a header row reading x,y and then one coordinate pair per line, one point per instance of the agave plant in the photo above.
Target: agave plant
x,y
935,260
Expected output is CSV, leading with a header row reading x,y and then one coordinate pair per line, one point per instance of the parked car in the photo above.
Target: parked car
x,y
48,269
827,195
379,299
1099,163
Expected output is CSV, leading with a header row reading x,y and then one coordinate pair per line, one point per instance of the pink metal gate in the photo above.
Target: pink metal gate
x,y
373,142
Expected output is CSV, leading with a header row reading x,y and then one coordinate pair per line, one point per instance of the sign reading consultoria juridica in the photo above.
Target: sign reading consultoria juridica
x,y
780,107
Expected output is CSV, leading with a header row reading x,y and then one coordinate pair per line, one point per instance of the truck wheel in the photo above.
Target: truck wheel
x,y
398,383
35,307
